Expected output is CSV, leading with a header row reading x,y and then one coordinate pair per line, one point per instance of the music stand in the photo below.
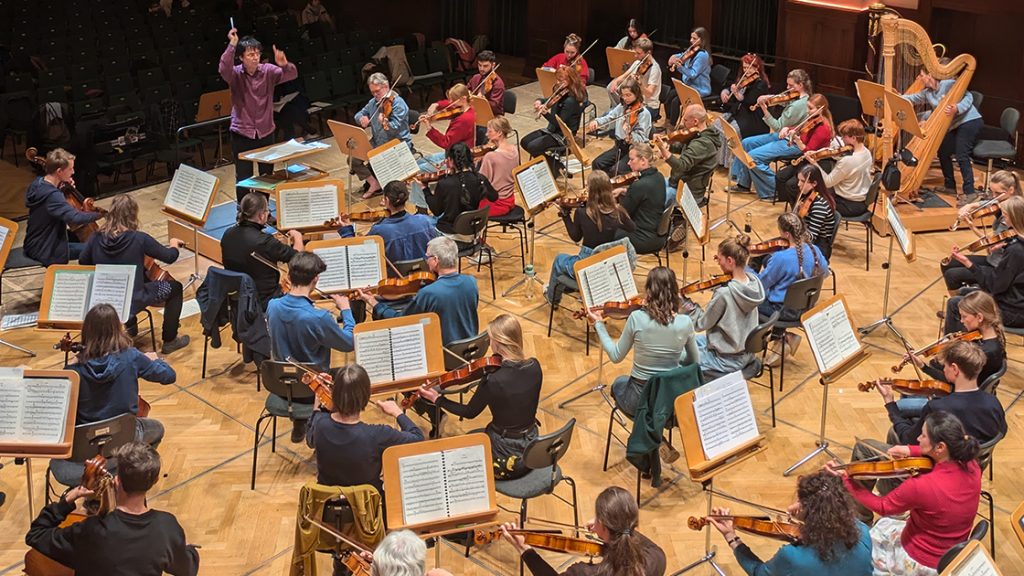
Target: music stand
x,y
353,143
536,170
902,113
214,105
897,232
618,60
686,96
872,102
11,228
735,144
547,81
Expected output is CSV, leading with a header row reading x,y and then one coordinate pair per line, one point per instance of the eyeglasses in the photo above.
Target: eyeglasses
x,y
429,256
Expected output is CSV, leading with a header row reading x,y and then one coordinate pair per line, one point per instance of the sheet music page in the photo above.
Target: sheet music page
x,y
190,191
537,185
610,280
282,150
409,351
373,352
112,284
896,225
69,295
33,410
421,478
725,415
3,235
12,397
364,264
335,278
307,207
12,321
690,209
977,564
393,163
831,337
466,480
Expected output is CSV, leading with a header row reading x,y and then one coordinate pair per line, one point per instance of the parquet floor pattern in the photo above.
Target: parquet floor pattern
x,y
207,452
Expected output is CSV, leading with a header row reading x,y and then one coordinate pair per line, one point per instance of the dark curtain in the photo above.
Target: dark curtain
x,y
508,26
743,26
457,19
670,20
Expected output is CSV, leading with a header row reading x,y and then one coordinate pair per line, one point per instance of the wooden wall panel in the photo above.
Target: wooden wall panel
x,y
833,39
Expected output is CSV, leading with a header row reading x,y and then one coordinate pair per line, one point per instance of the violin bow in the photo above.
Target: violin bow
x,y
377,102
393,267
911,351
581,54
341,537
484,80
266,262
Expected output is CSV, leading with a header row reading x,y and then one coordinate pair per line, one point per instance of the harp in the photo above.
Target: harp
x,y
907,51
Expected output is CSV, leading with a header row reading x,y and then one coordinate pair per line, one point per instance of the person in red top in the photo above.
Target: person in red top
x,y
814,133
941,503
571,49
461,128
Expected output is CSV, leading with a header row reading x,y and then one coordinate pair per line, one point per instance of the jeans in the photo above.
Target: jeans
x,y
149,431
763,149
562,266
627,391
958,144
243,168
956,275
910,406
714,365
428,163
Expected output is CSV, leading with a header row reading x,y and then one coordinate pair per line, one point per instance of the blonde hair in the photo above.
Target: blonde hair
x,y
1013,210
1008,179
458,91
506,334
57,159
801,77
501,124
644,151
981,302
122,217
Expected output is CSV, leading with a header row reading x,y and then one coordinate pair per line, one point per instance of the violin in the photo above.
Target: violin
x,y
746,80
779,99
427,177
355,563
557,94
768,246
364,216
699,285
910,387
479,151
614,310
682,135
74,198
69,346
447,113
986,242
462,375
352,559
933,348
487,83
690,53
823,154
760,525
803,128
896,468
982,210
633,114
806,203
317,382
625,179
552,541
396,288
574,202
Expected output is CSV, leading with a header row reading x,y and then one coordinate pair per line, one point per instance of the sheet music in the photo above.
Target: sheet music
x,y
610,280
34,410
409,351
831,337
335,278
691,211
12,321
112,284
69,294
537,185
364,264
897,228
307,207
976,564
466,480
190,191
373,353
725,415
421,478
3,236
284,149
393,162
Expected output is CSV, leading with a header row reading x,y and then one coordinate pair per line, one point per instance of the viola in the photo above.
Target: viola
x,y
760,525
321,384
73,197
615,310
462,375
682,135
69,346
806,203
395,288
989,241
768,246
910,387
699,285
355,563
625,179
934,348
779,99
823,154
896,468
546,541
479,151
364,216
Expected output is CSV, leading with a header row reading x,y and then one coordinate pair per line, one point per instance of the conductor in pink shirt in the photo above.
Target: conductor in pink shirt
x,y
252,98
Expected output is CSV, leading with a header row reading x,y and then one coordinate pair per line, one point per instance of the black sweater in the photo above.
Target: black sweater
x,y
581,227
115,544
1005,282
645,201
980,412
129,248
995,355
751,122
455,194
237,246
569,110
512,392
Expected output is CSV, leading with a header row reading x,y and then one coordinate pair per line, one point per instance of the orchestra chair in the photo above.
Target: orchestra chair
x,y
985,461
474,223
835,234
283,382
757,344
101,437
719,78
230,284
133,325
990,385
516,220
16,260
663,231
508,105
978,533
587,104
976,99
865,219
801,296
567,285
1002,147
458,353
329,505
406,267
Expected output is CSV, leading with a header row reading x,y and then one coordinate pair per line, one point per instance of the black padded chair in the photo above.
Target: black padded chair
x,y
801,296
865,219
101,437
978,533
1002,145
473,223
283,382
757,344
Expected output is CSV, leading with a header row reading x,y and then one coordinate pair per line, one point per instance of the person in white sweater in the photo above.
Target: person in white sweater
x,y
850,178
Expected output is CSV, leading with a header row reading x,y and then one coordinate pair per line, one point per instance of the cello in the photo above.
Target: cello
x,y
73,197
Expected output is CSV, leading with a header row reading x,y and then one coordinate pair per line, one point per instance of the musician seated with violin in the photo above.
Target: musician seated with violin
x,y
348,450
512,392
595,223
632,125
387,116
300,329
489,85
850,176
643,200
570,56
817,208
660,336
942,503
731,315
50,213
497,166
1005,281
565,102
460,188
634,30
456,108
832,542
624,551
698,158
133,539
405,235
247,237
109,368
751,82
694,68
794,258
814,133
119,241
402,553
765,148
646,73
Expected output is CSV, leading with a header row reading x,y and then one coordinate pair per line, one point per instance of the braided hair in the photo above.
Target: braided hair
x,y
790,223
462,162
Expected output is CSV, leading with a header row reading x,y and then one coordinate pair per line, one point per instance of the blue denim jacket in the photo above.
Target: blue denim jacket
x,y
965,110
696,73
405,235
398,122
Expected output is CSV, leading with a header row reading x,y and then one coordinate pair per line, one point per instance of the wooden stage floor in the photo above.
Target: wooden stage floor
x,y
208,448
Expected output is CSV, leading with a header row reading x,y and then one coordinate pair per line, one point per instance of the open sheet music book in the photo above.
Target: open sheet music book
x,y
973,560
724,414
535,183
190,193
392,354
350,266
308,206
393,161
284,150
609,280
831,335
444,484
4,233
903,236
75,291
33,410
694,216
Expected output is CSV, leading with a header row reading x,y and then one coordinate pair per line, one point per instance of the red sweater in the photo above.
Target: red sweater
x,y
496,97
462,128
817,138
560,60
942,505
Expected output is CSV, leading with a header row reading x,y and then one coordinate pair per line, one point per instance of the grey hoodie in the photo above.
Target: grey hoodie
x,y
730,315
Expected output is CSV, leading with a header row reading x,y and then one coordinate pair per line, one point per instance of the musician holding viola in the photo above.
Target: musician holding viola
x,y
694,67
568,108
850,176
497,166
133,539
698,158
405,235
383,128
593,224
751,83
1002,184
832,541
817,208
50,214
493,88
627,552
942,503
119,241
512,393
570,55
646,72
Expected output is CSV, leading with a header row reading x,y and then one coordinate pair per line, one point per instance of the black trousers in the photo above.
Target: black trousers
x,y
615,160
850,208
956,275
172,314
538,142
243,168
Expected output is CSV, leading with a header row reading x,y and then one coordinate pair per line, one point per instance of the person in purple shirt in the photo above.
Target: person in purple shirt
x,y
252,98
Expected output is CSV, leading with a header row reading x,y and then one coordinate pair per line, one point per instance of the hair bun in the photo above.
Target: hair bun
x,y
743,240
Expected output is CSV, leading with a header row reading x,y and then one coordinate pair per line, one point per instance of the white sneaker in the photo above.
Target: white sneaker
x,y
481,257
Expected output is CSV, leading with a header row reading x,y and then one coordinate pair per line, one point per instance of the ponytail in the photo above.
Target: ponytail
x,y
623,555
944,427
